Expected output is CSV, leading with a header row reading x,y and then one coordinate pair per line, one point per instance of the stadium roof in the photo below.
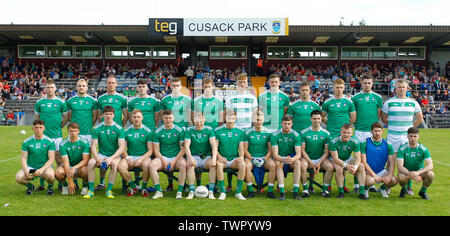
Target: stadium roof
x,y
434,36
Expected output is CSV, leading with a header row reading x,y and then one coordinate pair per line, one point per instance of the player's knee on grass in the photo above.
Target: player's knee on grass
x,y
21,178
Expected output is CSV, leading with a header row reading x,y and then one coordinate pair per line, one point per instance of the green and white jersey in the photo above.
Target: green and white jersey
x,y
315,142
273,105
243,104
108,138
345,149
338,113
117,101
257,141
229,140
74,151
149,106
414,158
286,142
180,106
137,140
210,107
37,151
169,140
301,113
366,105
200,144
401,114
51,112
82,108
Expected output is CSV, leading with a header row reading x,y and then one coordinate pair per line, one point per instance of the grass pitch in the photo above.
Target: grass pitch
x,y
13,200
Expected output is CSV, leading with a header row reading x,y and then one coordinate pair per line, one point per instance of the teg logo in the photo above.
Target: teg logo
x,y
166,27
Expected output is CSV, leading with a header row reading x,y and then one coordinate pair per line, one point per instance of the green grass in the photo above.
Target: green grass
x,y
40,204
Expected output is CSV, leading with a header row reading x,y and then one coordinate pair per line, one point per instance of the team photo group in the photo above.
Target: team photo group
x,y
245,134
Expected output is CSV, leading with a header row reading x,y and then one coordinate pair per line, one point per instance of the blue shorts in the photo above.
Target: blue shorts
x,y
287,166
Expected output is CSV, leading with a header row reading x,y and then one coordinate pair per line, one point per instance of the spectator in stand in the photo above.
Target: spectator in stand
x,y
10,118
189,74
2,105
441,108
18,115
424,101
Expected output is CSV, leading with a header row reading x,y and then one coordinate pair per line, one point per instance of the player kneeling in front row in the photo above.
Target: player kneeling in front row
x,y
341,149
257,146
315,154
230,143
75,156
168,147
138,139
201,152
287,152
411,157
377,155
110,139
38,155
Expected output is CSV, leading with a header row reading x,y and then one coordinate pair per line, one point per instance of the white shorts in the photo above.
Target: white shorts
x,y
200,162
134,158
362,136
88,137
315,161
229,163
56,141
168,160
381,173
397,140
102,156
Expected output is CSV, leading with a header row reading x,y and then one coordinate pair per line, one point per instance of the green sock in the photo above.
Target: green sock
x,y
41,181
250,187
345,181
144,185
199,182
222,186
325,187
240,183
180,187
383,187
355,179
50,186
281,188
91,186
65,184
85,185
305,186
404,188
410,184
270,188
29,185
132,184
296,188
341,189
423,189
362,188
110,186
211,186
192,188
158,187
102,181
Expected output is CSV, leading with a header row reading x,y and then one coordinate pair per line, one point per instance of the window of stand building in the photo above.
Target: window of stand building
x,y
278,52
140,52
164,52
228,52
299,52
31,51
88,51
116,52
411,53
355,53
60,51
326,52
383,53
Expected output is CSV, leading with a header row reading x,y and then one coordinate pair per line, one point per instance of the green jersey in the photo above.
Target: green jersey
x,y
273,105
338,113
149,106
210,107
257,141
108,138
117,101
74,151
286,143
180,106
367,105
345,149
169,140
200,144
51,111
37,151
81,109
301,113
137,140
315,142
229,140
414,158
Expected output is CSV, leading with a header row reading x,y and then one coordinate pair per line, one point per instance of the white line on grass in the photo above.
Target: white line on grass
x,y
10,159
442,163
